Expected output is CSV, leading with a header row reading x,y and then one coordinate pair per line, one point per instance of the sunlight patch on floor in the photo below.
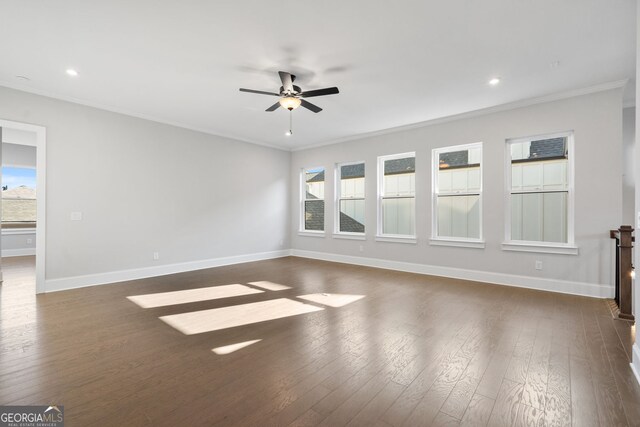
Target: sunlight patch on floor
x,y
332,300
192,295
226,349
270,286
237,315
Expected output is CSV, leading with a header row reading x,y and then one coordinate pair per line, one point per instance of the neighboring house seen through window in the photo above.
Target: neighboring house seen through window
x,y
540,189
313,199
396,195
18,195
350,197
457,192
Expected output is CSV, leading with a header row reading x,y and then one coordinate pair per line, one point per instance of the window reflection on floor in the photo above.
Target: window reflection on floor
x,y
226,349
332,300
197,322
192,295
237,315
270,286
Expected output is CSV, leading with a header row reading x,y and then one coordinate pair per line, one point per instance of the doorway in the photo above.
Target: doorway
x,y
23,188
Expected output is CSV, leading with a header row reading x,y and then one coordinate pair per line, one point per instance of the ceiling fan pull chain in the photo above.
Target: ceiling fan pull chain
x,y
291,122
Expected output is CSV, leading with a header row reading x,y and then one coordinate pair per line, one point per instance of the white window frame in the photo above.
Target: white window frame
x,y
454,241
568,248
397,238
338,197
303,198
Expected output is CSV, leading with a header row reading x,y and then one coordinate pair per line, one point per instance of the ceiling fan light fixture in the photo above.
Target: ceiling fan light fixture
x,y
290,103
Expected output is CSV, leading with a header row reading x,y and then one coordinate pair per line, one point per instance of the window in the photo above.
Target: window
x,y
312,200
396,196
457,194
350,198
18,195
540,191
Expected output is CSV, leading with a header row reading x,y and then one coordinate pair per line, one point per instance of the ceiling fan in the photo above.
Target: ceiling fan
x,y
291,96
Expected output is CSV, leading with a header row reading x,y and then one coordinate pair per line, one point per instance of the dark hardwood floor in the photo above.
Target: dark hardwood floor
x,y
416,350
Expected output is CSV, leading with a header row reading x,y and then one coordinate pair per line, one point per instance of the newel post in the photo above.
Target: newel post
x,y
625,269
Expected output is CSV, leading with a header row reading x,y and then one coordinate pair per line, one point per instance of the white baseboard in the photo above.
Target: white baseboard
x,y
53,285
18,252
635,361
562,286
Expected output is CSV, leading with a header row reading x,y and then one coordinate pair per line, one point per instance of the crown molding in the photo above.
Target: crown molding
x,y
475,113
112,109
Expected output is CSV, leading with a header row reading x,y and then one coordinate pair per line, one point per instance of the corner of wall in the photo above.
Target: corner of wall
x,y
635,364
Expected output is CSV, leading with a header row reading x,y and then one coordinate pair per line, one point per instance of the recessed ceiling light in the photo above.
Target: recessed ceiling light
x,y
72,72
494,81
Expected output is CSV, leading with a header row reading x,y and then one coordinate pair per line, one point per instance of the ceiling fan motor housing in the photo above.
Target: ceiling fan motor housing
x,y
296,90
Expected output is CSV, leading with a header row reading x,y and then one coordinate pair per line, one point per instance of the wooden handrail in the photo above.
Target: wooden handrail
x,y
615,234
624,269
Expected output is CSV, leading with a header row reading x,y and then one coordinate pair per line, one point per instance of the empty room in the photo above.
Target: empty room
x,y
297,213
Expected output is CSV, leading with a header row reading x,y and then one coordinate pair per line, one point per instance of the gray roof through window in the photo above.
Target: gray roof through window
x,y
398,166
319,177
454,159
548,148
352,171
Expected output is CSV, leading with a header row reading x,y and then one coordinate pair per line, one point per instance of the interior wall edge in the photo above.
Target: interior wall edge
x,y
635,363
536,283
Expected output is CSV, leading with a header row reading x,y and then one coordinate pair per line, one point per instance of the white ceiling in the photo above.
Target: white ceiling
x,y
396,63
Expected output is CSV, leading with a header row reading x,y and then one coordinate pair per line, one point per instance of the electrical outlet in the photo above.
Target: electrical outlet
x,y
29,241
361,248
156,255
538,265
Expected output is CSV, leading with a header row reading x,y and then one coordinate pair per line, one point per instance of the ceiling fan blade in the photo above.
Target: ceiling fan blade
x,y
274,107
287,80
261,92
320,92
310,106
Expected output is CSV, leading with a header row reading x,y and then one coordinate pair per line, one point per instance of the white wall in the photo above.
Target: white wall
x,y
16,242
596,120
16,136
20,156
628,173
145,187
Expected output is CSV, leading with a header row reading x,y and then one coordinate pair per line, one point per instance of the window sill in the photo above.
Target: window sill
x,y
396,239
309,233
478,244
350,236
540,248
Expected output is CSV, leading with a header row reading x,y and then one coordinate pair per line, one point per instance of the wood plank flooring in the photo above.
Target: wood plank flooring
x,y
415,351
